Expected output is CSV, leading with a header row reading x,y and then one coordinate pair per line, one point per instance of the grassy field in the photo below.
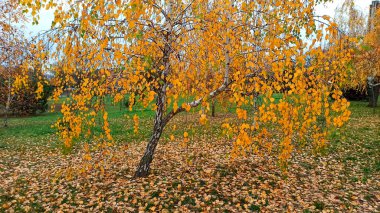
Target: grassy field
x,y
37,130
35,176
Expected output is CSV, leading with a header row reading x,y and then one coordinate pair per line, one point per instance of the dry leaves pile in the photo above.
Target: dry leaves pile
x,y
197,177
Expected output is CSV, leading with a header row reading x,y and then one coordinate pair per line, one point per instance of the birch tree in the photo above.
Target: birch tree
x,y
161,52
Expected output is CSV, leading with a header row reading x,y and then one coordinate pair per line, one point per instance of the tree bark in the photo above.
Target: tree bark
x,y
143,168
7,106
6,118
373,94
213,108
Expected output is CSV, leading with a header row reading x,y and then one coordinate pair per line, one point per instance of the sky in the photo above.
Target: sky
x,y
328,8
46,17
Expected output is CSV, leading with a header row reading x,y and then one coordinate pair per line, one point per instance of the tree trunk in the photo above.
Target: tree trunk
x,y
159,124
373,94
159,121
6,118
213,108
7,106
144,167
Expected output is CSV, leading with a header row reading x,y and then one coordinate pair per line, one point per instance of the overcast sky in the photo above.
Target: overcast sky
x,y
46,17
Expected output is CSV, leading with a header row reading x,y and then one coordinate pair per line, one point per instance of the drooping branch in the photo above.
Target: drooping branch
x,y
197,102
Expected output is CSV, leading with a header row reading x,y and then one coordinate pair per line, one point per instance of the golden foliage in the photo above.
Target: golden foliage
x,y
169,51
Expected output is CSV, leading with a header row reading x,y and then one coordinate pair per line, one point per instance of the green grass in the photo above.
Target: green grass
x,y
359,141
36,131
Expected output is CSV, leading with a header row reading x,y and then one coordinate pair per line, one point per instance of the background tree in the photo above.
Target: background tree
x,y
352,22
20,76
12,51
367,61
164,52
25,100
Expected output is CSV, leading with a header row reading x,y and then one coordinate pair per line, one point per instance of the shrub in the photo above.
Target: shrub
x,y
25,101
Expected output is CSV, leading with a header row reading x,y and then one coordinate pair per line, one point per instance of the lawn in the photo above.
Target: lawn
x,y
36,176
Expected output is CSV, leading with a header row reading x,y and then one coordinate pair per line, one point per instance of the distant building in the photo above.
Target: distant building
x,y
372,13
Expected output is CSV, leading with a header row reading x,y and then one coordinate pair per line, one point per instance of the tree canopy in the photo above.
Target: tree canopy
x,y
178,55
